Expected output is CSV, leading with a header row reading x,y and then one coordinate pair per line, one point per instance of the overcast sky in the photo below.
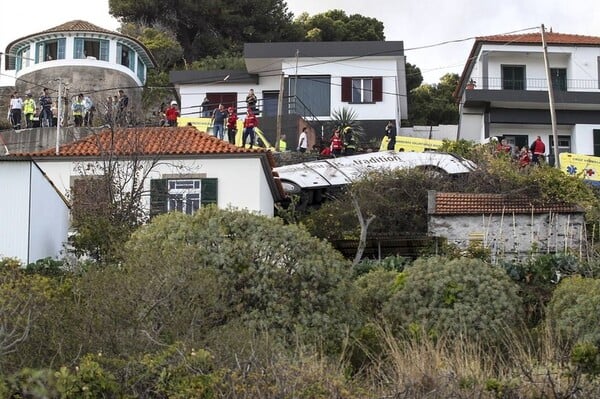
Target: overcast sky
x,y
417,23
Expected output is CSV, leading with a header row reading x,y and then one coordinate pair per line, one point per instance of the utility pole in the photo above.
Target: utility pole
x,y
279,112
59,112
550,99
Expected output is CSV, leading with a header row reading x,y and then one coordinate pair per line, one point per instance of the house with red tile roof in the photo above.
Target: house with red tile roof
x,y
503,91
506,226
182,168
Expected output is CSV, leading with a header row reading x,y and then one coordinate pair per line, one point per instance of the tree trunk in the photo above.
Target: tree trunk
x,y
364,227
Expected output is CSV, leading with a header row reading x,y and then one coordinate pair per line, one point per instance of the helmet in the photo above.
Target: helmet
x,y
173,102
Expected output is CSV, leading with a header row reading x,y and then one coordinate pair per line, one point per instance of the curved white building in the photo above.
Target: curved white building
x,y
82,56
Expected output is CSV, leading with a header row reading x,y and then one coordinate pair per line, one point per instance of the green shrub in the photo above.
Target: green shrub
x,y
454,297
574,312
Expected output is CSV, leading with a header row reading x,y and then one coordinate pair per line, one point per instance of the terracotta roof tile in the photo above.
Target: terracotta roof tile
x,y
77,26
536,38
147,141
469,203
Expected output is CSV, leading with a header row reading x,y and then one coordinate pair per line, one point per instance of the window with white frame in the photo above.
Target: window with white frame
x,y
91,48
50,50
362,90
185,195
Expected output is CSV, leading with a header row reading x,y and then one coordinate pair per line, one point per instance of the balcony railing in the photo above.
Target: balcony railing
x,y
537,84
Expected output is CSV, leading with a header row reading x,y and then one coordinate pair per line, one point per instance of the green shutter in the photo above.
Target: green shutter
x,y
119,53
209,190
159,196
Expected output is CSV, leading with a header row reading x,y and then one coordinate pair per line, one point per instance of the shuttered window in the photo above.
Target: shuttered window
x,y
181,195
360,90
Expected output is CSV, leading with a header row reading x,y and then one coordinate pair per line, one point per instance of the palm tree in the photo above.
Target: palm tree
x,y
345,117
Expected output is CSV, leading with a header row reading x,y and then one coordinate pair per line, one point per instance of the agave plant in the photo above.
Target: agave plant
x,y
344,117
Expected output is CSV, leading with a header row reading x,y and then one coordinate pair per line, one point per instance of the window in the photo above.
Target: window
x,y
362,90
91,48
141,71
597,142
50,50
309,95
181,195
125,56
559,78
23,58
513,77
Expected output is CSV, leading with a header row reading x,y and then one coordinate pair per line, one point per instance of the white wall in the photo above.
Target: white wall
x,y
581,64
49,219
14,209
389,108
582,139
241,181
34,219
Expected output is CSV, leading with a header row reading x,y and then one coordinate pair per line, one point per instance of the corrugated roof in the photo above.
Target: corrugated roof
x,y
146,141
477,204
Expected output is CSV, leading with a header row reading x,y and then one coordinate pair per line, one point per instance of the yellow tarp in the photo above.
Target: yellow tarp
x,y
414,144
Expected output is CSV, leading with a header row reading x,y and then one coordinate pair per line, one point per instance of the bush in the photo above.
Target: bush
x,y
573,310
271,275
454,297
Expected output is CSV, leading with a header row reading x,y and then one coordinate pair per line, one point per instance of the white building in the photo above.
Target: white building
x,y
182,169
510,94
83,57
316,79
34,220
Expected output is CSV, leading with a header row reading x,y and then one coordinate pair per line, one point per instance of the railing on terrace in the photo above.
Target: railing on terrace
x,y
536,84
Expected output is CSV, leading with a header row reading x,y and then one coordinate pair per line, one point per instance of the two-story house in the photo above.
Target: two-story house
x,y
315,79
503,91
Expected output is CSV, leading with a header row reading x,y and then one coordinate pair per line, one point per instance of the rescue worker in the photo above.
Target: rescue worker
x,y
29,109
78,107
349,141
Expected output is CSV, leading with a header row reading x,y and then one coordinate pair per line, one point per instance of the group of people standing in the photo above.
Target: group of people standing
x,y
82,108
342,142
227,118
534,154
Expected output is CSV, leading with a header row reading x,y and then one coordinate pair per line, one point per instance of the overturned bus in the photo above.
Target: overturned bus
x,y
312,179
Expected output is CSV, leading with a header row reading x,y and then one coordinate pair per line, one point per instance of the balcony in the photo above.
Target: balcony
x,y
576,94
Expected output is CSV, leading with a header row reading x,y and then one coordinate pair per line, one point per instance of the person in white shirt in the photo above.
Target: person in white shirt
x,y
303,141
16,109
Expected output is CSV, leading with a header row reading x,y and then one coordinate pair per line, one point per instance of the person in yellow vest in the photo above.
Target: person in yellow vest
x,y
29,109
78,108
282,143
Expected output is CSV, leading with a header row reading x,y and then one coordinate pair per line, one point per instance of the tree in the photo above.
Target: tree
x,y
455,297
266,274
206,28
573,310
414,78
432,105
336,25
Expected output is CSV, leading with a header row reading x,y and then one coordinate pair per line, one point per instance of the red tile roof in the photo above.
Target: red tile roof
x,y
77,26
146,141
536,38
477,204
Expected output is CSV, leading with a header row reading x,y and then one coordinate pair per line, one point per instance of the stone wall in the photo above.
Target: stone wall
x,y
516,234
